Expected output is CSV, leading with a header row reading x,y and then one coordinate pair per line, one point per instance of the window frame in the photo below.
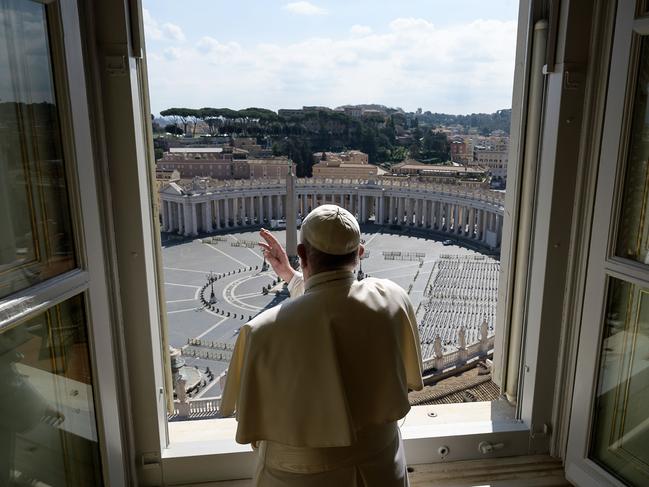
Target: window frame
x,y
88,278
603,264
526,430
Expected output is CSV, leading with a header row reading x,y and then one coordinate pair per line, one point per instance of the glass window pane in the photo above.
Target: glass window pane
x,y
36,235
48,434
621,420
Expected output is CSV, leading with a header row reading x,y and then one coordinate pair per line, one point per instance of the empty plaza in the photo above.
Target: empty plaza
x,y
205,328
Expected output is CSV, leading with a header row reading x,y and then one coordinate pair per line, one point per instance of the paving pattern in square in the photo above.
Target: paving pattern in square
x,y
238,289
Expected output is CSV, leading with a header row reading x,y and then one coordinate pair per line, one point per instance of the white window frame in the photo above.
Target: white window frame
x,y
89,278
121,100
610,166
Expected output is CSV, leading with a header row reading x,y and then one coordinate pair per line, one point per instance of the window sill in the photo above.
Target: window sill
x,y
459,427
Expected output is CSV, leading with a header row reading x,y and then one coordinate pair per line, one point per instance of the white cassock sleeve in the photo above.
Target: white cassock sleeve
x,y
296,285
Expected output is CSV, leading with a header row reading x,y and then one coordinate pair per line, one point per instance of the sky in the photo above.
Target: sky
x,y
439,55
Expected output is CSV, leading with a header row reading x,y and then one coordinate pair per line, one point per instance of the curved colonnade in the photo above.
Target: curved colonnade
x,y
475,214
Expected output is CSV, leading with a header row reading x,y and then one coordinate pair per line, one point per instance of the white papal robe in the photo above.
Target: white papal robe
x,y
319,382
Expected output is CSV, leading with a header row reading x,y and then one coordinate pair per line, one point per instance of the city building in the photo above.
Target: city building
x,y
290,112
250,145
441,174
203,206
495,161
462,150
338,165
268,167
163,177
221,163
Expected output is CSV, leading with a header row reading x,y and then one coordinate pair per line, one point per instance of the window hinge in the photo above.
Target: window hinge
x,y
150,460
545,431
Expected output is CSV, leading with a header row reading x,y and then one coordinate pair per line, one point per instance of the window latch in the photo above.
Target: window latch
x,y
486,447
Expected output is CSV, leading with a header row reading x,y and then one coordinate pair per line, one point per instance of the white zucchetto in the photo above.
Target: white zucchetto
x,y
332,230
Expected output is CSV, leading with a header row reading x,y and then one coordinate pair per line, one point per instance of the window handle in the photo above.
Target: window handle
x,y
486,447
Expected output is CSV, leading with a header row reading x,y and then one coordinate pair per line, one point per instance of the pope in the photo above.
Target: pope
x,y
319,381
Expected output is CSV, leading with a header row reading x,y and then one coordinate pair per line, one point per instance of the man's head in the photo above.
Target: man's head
x,y
329,239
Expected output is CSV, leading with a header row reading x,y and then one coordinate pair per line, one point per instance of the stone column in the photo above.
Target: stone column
x,y
415,212
235,211
499,229
447,217
170,221
400,201
407,203
425,216
472,223
170,215
226,212
260,209
217,213
456,218
187,218
269,207
207,216
483,225
193,209
163,214
375,206
391,213
291,218
181,220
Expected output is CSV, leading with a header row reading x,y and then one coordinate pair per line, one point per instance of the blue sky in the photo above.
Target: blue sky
x,y
445,56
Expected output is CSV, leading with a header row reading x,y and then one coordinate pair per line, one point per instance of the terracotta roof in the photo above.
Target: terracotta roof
x,y
466,387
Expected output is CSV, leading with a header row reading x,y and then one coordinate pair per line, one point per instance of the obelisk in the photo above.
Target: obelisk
x,y
291,217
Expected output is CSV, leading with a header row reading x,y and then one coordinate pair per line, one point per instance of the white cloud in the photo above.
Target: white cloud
x,y
217,52
151,28
461,68
172,31
360,30
172,53
165,32
304,8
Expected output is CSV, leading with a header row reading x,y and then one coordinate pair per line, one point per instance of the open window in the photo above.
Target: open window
x,y
436,229
428,190
115,276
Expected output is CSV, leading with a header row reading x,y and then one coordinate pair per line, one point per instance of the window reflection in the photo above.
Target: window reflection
x,y
621,426
48,433
36,236
633,233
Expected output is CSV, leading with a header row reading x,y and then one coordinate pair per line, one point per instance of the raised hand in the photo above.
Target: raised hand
x,y
276,255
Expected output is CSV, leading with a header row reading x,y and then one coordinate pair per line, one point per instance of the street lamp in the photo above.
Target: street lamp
x,y
211,278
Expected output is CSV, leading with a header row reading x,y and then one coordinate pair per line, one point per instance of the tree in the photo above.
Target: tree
x,y
435,145
398,154
184,116
369,143
211,118
173,129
